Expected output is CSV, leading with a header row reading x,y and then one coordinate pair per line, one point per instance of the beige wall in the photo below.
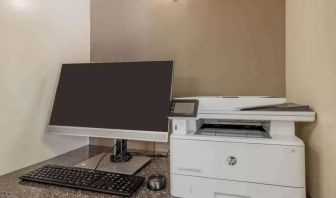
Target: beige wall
x,y
221,47
36,37
311,79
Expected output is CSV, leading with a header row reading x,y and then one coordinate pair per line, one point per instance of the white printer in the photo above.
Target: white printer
x,y
237,147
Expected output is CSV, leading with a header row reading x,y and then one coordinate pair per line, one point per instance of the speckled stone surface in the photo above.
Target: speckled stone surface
x,y
11,186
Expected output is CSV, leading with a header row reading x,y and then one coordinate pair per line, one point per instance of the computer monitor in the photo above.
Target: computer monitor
x,y
123,100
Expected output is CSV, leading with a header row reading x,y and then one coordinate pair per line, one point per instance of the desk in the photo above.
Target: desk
x,y
11,186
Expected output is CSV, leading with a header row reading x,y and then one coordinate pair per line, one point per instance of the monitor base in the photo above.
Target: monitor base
x,y
130,167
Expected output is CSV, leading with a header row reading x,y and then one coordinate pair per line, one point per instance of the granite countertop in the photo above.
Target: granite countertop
x,y
11,186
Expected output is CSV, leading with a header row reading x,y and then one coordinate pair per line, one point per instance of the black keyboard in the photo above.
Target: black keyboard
x,y
86,179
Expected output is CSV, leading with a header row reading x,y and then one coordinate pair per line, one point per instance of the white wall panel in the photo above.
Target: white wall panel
x,y
36,37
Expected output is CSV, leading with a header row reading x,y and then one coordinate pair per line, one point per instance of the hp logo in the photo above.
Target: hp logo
x,y
231,160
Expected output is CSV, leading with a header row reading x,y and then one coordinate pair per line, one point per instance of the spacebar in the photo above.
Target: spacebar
x,y
55,180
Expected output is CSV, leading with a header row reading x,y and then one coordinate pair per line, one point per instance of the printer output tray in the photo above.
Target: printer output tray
x,y
232,130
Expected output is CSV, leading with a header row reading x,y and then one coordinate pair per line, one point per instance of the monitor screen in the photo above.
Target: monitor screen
x,y
124,95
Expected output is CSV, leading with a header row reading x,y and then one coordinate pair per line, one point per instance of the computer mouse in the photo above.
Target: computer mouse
x,y
156,182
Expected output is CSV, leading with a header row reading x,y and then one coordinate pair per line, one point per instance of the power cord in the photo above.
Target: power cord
x,y
109,151
134,153
150,155
154,155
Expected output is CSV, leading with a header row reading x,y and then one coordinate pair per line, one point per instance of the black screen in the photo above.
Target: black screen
x,y
127,95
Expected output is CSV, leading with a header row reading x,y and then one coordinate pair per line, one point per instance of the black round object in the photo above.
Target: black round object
x,y
122,157
156,182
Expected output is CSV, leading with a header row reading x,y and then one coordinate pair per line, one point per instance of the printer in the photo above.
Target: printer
x,y
237,147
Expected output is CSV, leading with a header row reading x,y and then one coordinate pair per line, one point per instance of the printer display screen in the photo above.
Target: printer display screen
x,y
185,108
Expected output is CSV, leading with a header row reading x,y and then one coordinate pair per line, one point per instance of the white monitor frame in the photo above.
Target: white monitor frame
x,y
157,136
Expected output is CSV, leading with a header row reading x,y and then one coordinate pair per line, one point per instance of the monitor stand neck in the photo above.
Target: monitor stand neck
x,y
120,152
120,162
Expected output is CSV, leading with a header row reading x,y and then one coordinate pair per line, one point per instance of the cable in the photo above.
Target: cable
x,y
149,155
109,151
153,153
134,153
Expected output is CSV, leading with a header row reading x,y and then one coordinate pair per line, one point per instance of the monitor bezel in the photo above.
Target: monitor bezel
x,y
157,136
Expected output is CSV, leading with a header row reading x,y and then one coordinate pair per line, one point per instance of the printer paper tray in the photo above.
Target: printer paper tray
x,y
198,187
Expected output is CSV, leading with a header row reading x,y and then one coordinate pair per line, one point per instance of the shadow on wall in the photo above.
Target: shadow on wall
x,y
189,87
30,112
183,84
305,131
35,113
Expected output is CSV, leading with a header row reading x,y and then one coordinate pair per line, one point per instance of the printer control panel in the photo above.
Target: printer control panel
x,y
183,108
